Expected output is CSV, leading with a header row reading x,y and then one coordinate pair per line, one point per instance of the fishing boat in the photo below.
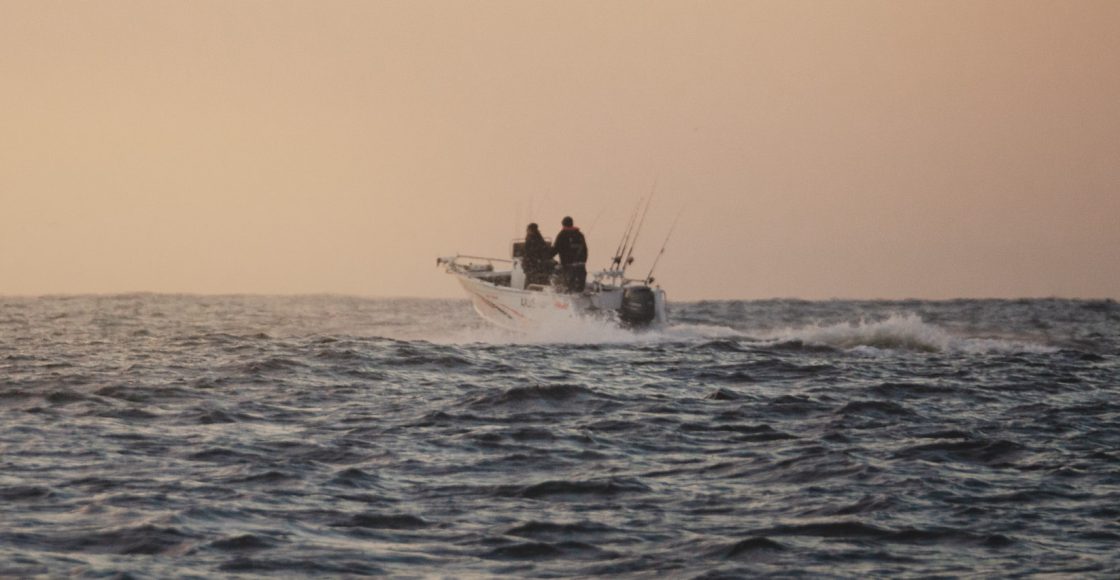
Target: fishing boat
x,y
497,289
500,293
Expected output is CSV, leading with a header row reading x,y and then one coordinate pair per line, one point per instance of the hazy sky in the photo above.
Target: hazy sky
x,y
818,149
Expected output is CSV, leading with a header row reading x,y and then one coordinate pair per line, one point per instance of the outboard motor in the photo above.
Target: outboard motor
x,y
639,306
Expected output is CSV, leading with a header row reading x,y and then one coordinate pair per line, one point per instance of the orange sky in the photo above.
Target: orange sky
x,y
818,149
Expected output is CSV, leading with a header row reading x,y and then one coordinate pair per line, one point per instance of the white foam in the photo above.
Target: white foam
x,y
900,332
562,328
907,332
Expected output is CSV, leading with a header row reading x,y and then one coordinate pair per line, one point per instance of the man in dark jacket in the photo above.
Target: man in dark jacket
x,y
572,249
537,261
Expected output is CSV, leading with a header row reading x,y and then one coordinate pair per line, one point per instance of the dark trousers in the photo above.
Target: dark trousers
x,y
537,277
539,272
573,277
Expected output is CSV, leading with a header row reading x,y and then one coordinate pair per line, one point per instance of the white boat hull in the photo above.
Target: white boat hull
x,y
524,310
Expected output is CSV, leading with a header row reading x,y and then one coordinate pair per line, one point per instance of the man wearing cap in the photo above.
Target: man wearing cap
x,y
572,249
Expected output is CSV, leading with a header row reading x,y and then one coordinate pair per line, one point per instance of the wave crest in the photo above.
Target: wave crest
x,y
906,332
899,332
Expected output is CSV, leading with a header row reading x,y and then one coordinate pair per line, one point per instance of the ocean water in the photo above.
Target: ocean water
x,y
191,436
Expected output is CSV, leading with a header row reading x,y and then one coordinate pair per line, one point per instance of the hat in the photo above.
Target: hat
x,y
566,222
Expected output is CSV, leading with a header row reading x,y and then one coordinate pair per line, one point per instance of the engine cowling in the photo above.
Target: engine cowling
x,y
639,306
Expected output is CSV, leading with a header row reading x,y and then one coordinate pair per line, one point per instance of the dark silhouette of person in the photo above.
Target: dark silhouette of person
x,y
537,260
572,249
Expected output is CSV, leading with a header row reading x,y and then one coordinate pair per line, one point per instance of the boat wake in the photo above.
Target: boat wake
x,y
556,328
898,332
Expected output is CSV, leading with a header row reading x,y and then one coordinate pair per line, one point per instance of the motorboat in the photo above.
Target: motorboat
x,y
499,293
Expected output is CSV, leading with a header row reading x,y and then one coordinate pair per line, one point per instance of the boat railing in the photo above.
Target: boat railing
x,y
464,263
477,266
614,278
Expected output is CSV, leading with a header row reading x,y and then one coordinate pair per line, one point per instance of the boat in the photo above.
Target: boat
x,y
500,294
498,291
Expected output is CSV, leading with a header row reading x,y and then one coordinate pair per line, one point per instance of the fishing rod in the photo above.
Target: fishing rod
x,y
630,251
649,277
596,219
621,249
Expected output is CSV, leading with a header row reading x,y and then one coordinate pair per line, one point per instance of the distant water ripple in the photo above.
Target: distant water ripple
x,y
157,435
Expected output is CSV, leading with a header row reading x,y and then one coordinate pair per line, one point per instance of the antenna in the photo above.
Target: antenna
x,y
596,219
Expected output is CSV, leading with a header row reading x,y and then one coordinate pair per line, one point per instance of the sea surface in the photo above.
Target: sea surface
x,y
166,436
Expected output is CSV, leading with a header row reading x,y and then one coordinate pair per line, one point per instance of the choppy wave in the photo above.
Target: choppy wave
x,y
171,436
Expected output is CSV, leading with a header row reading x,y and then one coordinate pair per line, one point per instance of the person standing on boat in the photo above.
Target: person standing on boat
x,y
572,249
537,262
